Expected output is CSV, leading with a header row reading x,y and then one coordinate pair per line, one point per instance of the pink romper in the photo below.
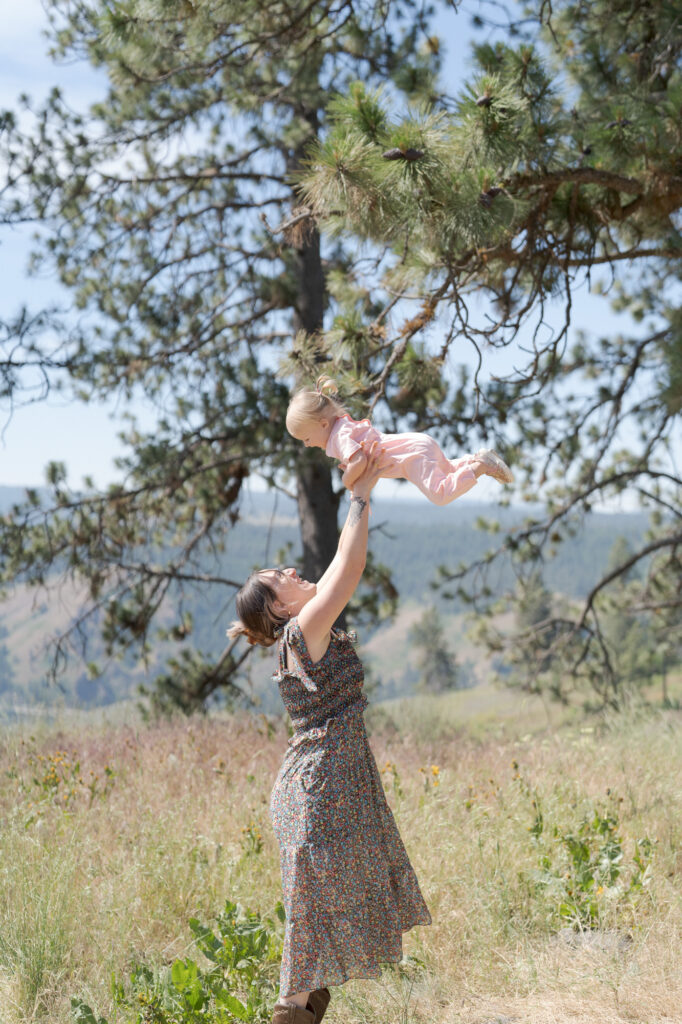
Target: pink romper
x,y
417,458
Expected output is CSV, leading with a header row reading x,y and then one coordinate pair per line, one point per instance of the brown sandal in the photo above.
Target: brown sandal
x,y
289,1013
318,1001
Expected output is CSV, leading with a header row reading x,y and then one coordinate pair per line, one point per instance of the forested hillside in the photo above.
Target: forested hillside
x,y
410,537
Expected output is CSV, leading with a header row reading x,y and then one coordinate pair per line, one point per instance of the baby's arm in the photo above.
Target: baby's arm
x,y
355,467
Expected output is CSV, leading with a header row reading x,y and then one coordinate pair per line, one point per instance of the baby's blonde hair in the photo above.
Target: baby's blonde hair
x,y
314,405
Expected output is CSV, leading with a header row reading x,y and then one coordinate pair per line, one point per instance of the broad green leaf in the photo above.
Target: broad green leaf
x,y
82,1014
234,1005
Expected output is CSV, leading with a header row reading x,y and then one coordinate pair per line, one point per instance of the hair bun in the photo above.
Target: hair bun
x,y
325,383
237,629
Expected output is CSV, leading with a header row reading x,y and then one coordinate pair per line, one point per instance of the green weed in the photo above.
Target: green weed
x,y
430,779
583,870
391,778
252,839
240,983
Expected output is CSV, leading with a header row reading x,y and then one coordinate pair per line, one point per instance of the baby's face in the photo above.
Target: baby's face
x,y
313,433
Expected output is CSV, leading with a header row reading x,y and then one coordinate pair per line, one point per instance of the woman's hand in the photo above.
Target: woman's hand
x,y
356,466
377,461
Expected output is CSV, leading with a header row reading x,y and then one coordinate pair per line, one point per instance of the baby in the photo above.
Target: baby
x,y
320,421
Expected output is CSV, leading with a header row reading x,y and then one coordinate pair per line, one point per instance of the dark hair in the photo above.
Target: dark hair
x,y
258,621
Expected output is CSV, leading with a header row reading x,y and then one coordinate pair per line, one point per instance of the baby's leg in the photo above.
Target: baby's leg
x,y
443,480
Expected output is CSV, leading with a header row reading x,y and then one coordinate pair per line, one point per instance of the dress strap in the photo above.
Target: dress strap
x,y
282,652
288,647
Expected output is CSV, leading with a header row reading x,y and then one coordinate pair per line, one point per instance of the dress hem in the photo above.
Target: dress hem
x,y
367,974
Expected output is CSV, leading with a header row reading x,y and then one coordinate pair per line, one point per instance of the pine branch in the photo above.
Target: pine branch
x,y
668,541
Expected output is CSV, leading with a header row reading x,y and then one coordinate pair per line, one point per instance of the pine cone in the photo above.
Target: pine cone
x,y
486,198
403,154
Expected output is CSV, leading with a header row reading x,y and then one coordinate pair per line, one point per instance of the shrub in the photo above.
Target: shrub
x,y
240,984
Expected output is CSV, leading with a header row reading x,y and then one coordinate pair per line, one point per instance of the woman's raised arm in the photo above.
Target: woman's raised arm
x,y
337,585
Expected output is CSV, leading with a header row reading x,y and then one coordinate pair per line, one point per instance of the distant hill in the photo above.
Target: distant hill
x,y
10,496
411,537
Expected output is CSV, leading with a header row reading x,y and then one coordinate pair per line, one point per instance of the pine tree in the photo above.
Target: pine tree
x,y
529,656
7,673
559,165
170,211
636,647
437,663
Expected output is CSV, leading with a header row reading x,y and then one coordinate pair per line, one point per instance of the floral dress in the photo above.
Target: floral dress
x,y
349,889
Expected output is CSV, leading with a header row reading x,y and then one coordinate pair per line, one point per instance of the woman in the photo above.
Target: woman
x,y
349,889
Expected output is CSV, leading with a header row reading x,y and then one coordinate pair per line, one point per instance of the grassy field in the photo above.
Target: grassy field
x,y
549,851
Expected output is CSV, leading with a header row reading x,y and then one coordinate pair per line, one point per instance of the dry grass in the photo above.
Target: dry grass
x,y
98,873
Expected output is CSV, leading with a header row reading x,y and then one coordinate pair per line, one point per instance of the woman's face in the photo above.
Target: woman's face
x,y
291,591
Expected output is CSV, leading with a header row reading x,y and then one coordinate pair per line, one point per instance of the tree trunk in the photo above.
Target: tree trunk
x,y
318,508
318,504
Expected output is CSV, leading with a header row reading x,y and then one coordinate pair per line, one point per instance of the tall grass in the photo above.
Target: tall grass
x,y
552,864
38,921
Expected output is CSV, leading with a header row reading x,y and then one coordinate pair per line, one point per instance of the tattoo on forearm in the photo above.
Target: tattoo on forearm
x,y
357,507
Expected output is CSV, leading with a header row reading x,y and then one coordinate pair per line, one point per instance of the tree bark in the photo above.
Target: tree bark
x,y
318,504
318,507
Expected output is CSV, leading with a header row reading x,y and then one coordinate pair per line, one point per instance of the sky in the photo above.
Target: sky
x,y
59,428
85,436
